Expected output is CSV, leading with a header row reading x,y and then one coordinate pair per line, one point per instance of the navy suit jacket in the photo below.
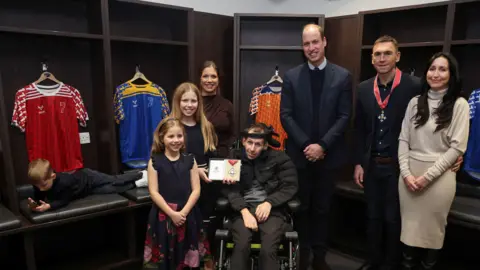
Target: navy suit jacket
x,y
409,87
335,108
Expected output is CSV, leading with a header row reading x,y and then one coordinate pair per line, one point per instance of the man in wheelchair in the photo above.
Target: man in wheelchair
x,y
268,181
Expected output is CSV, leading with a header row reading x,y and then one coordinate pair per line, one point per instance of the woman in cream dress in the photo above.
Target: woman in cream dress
x,y
434,134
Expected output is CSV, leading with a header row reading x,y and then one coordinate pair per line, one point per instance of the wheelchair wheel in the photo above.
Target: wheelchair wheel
x,y
225,266
296,257
223,260
290,259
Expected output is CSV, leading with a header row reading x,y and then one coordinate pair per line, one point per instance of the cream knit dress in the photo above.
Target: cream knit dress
x,y
424,152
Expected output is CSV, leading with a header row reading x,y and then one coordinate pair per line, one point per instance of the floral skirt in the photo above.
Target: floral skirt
x,y
168,247
204,245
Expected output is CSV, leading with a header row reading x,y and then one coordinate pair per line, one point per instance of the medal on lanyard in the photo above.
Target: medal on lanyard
x,y
232,171
376,91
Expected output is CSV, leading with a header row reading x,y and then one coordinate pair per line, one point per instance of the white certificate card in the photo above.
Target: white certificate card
x,y
216,170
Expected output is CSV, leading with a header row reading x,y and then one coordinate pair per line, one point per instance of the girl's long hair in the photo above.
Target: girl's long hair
x,y
208,131
444,112
166,124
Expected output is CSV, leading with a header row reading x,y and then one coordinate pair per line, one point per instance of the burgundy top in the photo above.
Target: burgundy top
x,y
219,112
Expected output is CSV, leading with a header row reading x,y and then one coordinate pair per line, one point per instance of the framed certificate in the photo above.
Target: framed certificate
x,y
219,169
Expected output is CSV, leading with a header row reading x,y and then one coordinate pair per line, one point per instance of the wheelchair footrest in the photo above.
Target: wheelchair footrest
x,y
222,234
291,235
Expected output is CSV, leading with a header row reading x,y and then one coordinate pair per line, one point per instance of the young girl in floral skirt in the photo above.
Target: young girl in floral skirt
x,y
173,182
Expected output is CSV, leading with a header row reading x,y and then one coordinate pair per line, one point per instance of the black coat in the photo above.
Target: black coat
x,y
365,109
274,171
335,109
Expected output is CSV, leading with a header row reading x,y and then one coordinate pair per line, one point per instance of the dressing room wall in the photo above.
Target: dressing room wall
x,y
327,7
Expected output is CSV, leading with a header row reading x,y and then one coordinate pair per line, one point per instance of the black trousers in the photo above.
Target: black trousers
x,y
383,214
315,191
102,183
271,233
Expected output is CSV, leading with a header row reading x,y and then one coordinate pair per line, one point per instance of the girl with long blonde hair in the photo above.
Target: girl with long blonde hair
x,y
201,141
188,107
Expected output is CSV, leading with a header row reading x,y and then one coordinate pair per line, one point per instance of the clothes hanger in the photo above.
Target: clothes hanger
x,y
139,76
46,75
274,84
275,78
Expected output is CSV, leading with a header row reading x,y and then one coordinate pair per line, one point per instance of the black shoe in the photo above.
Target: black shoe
x,y
429,259
367,266
410,258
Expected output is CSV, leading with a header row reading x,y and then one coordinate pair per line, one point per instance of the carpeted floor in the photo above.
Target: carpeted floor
x,y
339,261
336,260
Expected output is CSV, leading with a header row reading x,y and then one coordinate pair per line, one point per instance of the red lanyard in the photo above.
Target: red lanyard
x,y
376,91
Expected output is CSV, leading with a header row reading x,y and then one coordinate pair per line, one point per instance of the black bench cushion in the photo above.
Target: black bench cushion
x,y
138,194
466,190
466,209
25,191
87,205
349,189
8,220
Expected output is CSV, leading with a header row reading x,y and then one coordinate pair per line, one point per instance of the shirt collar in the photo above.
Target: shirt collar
x,y
389,84
320,67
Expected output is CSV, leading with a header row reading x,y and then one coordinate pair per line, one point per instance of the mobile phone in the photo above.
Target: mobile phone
x,y
32,204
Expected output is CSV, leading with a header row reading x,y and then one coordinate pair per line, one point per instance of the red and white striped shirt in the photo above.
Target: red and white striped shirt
x,y
48,116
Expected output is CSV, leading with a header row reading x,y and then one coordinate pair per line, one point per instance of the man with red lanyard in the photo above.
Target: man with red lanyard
x,y
381,102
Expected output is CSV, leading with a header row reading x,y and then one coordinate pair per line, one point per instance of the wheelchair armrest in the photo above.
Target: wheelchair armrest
x,y
291,236
222,204
222,234
294,205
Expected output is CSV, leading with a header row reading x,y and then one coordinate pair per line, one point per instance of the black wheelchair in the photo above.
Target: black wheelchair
x,y
288,252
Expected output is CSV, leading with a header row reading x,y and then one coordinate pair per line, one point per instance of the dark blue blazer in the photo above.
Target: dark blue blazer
x,y
335,108
365,109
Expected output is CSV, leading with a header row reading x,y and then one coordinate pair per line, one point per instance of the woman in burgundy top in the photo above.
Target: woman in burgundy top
x,y
219,110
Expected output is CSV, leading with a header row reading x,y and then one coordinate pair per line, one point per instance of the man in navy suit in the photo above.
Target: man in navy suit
x,y
315,110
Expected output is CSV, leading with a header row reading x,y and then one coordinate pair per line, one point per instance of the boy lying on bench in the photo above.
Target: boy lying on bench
x,y
54,190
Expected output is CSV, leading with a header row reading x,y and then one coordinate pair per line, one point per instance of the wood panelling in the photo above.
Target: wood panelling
x,y
214,41
342,45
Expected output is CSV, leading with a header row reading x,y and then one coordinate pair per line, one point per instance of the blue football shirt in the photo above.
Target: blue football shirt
x,y
472,155
138,110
